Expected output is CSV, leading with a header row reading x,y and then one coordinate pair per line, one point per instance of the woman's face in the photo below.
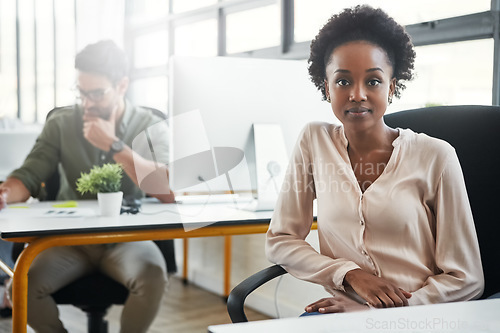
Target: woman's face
x,y
359,82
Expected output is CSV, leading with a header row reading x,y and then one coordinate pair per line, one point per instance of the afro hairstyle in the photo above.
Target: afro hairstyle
x,y
363,23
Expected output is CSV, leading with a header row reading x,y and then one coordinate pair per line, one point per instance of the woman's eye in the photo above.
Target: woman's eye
x,y
374,82
342,82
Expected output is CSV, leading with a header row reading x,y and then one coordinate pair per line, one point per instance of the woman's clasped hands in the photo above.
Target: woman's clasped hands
x,y
378,293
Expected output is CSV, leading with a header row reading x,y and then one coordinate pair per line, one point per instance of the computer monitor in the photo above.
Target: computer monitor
x,y
213,105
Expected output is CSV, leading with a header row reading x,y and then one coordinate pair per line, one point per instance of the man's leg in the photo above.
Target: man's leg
x,y
6,257
50,271
140,267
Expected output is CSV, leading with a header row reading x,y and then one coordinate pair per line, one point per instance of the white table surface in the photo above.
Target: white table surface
x,y
42,218
460,317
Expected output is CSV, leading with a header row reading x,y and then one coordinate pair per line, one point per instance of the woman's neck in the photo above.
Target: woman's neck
x,y
373,139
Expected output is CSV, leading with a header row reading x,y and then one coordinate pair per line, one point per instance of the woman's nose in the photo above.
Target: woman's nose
x,y
358,94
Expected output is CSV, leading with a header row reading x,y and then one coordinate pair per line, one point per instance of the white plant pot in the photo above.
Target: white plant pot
x,y
110,203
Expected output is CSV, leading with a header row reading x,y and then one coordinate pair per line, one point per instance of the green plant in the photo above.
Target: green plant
x,y
101,179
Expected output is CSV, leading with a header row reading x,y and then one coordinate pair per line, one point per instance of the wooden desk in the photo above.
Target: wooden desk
x,y
460,317
157,222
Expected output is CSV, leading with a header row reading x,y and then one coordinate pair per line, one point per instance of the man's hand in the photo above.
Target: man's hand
x,y
99,132
4,193
12,190
339,303
375,290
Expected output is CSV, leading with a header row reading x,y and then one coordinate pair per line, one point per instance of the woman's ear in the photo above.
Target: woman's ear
x,y
327,91
392,87
392,90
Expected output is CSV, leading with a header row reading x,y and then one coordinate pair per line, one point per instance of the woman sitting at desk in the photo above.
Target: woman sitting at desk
x,y
394,222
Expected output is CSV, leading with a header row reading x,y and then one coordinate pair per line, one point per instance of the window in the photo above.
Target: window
x,y
151,92
253,29
151,49
65,52
145,11
8,74
52,31
450,74
309,19
187,5
197,39
27,58
45,58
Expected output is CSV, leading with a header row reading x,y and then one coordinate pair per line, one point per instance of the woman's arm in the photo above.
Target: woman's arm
x,y
457,253
291,223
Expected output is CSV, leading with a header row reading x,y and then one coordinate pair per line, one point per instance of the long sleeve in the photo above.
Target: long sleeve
x,y
457,254
412,226
292,222
42,160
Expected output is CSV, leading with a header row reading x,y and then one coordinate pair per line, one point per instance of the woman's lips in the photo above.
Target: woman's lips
x,y
358,111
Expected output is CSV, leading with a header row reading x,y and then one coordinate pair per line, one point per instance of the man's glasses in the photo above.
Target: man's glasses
x,y
95,95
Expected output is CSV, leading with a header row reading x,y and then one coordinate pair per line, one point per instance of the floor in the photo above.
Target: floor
x,y
185,309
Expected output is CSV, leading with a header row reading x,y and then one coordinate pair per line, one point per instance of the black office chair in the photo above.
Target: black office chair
x,y
474,131
96,293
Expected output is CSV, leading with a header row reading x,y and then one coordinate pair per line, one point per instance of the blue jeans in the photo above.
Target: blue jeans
x,y
307,314
6,257
497,295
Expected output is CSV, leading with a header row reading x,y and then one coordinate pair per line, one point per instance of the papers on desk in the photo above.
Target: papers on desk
x,y
26,211
44,218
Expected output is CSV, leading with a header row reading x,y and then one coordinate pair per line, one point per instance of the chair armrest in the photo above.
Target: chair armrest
x,y
236,299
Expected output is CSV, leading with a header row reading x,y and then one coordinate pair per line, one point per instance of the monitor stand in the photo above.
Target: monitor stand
x,y
271,162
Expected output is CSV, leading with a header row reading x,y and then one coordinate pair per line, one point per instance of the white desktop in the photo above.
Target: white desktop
x,y
15,144
456,317
218,104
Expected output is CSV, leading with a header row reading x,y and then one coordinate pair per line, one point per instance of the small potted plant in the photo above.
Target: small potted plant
x,y
105,181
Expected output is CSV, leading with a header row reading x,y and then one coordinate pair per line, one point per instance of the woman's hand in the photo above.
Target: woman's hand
x,y
338,303
377,291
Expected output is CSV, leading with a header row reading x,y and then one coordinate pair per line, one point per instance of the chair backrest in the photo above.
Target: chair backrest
x,y
474,132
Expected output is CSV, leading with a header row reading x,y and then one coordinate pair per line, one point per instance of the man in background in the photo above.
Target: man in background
x,y
100,129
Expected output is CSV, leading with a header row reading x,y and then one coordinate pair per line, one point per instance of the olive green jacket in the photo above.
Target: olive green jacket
x,y
61,146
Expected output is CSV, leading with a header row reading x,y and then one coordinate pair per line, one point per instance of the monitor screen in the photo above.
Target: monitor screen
x,y
213,104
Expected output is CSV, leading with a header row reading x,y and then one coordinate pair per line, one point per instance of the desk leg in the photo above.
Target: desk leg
x,y
20,301
20,280
227,265
185,245
20,289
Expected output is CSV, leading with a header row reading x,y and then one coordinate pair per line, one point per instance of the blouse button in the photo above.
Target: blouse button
x,y
362,222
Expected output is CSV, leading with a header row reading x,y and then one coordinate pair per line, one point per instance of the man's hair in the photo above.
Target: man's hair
x,y
363,23
105,58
